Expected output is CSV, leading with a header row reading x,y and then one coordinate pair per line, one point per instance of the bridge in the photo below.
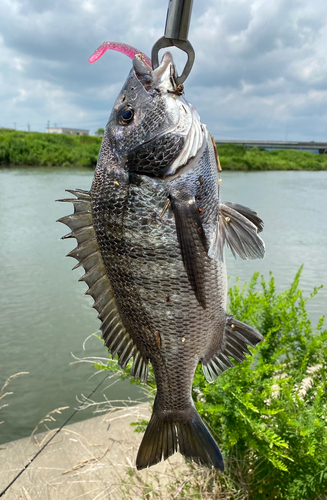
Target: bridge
x,y
321,147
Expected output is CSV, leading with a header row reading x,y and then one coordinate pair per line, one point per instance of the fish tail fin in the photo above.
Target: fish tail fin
x,y
164,437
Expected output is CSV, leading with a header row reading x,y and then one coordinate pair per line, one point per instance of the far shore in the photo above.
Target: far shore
x,y
36,149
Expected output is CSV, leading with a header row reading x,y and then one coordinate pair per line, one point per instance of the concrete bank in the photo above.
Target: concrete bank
x,y
89,460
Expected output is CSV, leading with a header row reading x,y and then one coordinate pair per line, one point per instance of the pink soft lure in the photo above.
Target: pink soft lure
x,y
120,47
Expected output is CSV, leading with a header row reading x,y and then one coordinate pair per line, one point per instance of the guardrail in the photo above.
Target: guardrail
x,y
321,147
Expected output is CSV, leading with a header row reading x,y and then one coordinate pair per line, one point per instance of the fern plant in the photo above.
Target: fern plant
x,y
269,413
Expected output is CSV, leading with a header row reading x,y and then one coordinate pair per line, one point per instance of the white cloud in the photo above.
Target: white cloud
x,y
259,65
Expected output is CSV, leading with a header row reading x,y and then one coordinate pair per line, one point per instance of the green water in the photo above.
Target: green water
x,y
44,316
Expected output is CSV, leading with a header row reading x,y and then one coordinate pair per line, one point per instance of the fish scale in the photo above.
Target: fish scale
x,y
141,281
151,235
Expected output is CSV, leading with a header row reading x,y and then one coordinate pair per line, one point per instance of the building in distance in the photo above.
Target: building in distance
x,y
65,130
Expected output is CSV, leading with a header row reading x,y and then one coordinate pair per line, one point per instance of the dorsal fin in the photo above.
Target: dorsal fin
x,y
88,254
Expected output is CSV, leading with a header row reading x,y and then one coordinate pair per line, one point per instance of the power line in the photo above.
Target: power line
x,y
52,437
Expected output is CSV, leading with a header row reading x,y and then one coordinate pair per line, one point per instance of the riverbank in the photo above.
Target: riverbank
x,y
234,157
90,459
37,149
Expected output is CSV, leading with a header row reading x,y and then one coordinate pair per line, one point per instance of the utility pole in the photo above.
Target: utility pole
x,y
28,127
48,125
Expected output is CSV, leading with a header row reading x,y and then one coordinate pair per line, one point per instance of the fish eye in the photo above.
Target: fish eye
x,y
125,116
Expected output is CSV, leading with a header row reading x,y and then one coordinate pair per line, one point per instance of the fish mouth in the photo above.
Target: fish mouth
x,y
157,78
186,121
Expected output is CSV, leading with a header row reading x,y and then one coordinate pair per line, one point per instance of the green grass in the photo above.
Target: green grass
x,y
235,157
34,149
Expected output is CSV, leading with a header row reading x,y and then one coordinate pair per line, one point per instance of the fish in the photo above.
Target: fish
x,y
151,235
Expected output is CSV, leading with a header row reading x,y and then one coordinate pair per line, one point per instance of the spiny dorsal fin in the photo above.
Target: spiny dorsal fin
x,y
88,254
238,227
237,337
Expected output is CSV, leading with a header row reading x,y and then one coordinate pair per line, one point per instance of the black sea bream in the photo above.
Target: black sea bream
x,y
151,236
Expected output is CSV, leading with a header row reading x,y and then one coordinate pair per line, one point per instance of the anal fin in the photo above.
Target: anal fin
x,y
251,215
237,337
238,227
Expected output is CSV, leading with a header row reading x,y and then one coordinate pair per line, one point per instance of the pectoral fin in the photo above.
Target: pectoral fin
x,y
193,244
238,227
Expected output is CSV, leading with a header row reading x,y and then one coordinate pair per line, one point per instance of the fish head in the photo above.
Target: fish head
x,y
152,129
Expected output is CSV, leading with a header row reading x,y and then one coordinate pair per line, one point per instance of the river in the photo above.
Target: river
x,y
45,318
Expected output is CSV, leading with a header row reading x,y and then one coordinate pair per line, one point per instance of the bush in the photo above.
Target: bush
x,y
268,414
34,148
236,157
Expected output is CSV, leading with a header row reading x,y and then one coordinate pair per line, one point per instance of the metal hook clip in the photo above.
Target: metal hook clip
x,y
176,32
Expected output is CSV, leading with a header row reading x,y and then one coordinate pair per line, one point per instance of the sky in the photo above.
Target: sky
x,y
260,70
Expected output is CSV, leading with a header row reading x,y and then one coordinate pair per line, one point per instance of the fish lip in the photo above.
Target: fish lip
x,y
157,76
166,61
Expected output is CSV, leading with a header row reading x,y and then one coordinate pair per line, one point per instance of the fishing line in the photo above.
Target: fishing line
x,y
50,439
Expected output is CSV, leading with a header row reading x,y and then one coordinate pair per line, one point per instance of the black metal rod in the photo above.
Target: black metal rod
x,y
178,19
176,32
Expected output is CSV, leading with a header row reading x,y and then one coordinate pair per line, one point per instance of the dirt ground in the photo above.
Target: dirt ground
x,y
90,460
